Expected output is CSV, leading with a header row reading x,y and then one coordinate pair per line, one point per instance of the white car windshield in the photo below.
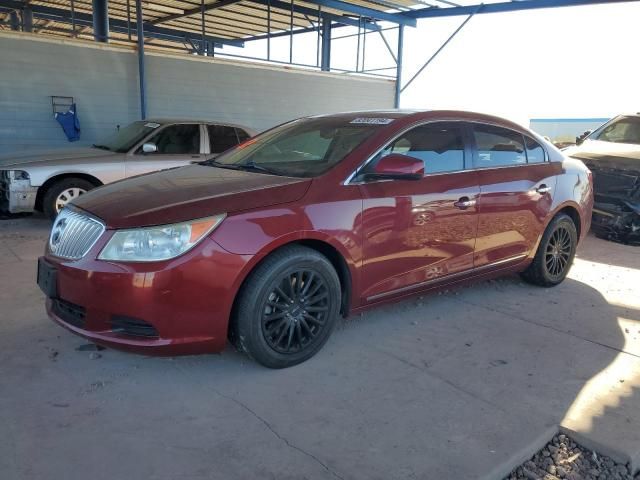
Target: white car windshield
x,y
621,130
126,138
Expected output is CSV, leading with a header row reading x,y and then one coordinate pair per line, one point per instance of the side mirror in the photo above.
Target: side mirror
x,y
581,138
397,167
149,148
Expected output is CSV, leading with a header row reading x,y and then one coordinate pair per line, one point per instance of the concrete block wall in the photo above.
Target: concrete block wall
x,y
103,80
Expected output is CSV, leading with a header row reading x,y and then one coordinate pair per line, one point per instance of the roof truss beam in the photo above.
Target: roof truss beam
x,y
194,11
86,19
513,6
353,22
397,18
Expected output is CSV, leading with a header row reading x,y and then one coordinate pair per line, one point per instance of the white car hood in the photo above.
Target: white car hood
x,y
37,157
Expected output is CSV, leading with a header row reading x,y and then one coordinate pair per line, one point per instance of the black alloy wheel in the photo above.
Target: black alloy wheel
x,y
295,312
558,252
555,253
287,307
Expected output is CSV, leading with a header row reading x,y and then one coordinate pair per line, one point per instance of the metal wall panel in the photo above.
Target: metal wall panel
x,y
104,83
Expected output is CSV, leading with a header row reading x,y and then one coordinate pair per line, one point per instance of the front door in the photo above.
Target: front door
x,y
516,193
419,231
177,145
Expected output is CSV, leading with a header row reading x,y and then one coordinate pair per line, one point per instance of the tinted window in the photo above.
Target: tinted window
x,y
535,152
242,135
222,138
625,130
439,146
498,146
178,139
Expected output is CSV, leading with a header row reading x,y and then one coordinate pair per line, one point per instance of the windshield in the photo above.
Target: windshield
x,y
302,148
125,138
623,130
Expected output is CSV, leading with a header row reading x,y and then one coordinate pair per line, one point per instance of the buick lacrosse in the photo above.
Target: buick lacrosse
x,y
271,242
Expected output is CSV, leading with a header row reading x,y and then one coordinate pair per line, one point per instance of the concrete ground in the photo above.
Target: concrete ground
x,y
461,385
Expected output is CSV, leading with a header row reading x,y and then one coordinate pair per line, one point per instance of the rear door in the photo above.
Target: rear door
x,y
177,145
517,184
420,231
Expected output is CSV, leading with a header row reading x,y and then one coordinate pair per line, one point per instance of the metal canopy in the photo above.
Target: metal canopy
x,y
185,24
208,27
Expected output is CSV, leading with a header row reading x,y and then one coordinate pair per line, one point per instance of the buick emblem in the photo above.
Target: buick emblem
x,y
58,229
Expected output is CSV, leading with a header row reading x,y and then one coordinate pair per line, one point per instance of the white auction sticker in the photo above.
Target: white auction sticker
x,y
372,121
152,125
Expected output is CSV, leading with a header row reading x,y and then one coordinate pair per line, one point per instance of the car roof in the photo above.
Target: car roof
x,y
165,121
427,115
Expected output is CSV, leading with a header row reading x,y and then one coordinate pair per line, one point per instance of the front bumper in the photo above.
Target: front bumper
x,y
181,306
18,196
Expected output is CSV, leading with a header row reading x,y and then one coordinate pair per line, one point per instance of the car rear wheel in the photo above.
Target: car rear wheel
x,y
59,194
287,308
555,253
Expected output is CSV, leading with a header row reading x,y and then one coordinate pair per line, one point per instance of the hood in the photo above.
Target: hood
x,y
181,194
32,158
607,155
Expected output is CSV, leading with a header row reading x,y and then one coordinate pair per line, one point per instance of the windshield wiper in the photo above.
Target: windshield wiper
x,y
101,147
242,166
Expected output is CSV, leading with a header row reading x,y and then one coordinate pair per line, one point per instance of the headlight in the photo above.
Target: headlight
x,y
151,244
17,175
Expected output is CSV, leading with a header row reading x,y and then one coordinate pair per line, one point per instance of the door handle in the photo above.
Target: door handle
x,y
542,189
464,203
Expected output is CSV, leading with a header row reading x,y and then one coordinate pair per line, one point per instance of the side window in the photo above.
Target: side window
x,y
535,152
222,138
178,139
440,146
242,135
498,147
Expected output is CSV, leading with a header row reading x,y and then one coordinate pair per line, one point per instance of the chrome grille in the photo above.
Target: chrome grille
x,y
73,234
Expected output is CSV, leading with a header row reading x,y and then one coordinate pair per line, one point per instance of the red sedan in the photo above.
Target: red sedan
x,y
270,243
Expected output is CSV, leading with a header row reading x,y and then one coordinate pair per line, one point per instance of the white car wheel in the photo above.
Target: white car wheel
x,y
66,196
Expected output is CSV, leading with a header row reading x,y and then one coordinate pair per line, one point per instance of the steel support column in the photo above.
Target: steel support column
x,y
27,20
14,20
101,20
399,66
325,56
141,75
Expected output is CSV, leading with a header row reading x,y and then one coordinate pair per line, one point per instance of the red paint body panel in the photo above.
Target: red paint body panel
x,y
394,238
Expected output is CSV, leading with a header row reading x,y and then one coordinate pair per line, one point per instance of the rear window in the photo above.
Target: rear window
x,y
498,147
242,135
221,138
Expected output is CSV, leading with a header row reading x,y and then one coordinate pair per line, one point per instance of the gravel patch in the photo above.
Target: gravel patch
x,y
563,458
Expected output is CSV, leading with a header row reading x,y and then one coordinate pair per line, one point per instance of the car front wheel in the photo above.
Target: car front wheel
x,y
287,308
59,194
555,253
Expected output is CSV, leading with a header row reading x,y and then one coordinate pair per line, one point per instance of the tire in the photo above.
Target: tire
x,y
555,253
274,322
50,200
